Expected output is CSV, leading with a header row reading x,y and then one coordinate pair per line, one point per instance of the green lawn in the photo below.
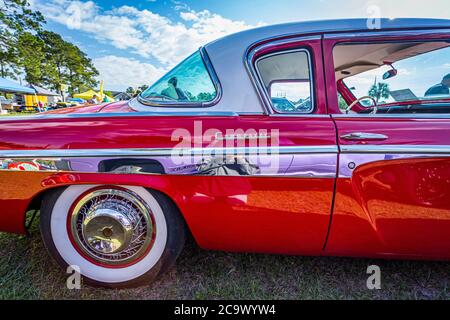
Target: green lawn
x,y
26,272
9,114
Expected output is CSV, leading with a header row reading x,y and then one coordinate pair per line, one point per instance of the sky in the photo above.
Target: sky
x,y
135,42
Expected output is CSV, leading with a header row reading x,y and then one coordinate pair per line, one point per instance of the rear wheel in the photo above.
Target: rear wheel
x,y
117,236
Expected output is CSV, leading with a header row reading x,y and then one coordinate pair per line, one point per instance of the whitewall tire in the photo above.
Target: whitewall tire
x,y
118,236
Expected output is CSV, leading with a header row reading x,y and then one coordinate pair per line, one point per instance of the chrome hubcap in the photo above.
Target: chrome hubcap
x,y
112,226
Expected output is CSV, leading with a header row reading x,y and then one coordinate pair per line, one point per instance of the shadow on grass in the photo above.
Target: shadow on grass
x,y
27,272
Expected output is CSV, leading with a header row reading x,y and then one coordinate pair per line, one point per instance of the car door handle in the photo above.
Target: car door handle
x,y
364,136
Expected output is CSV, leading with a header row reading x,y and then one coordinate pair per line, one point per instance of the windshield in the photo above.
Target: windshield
x,y
421,72
189,82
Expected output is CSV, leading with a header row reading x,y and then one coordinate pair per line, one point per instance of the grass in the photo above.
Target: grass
x,y
27,272
15,114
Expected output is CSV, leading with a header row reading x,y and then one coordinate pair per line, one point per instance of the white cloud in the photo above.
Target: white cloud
x,y
144,32
120,73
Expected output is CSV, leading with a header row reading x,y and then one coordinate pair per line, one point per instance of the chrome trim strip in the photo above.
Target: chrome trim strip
x,y
299,115
83,153
214,79
410,149
348,163
399,116
254,49
373,34
307,165
124,114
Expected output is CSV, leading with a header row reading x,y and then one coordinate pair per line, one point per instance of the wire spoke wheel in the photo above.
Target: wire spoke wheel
x,y
118,236
112,226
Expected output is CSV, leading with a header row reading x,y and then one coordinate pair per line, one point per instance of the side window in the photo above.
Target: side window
x,y
187,83
288,82
403,77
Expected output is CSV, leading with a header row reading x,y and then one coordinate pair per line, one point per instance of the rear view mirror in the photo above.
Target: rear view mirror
x,y
390,74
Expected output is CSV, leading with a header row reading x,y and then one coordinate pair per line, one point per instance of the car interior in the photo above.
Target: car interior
x,y
362,61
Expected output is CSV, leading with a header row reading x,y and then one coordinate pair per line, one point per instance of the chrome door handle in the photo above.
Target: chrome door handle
x,y
364,136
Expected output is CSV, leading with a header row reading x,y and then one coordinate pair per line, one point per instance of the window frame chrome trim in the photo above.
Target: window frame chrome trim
x,y
207,104
420,31
255,48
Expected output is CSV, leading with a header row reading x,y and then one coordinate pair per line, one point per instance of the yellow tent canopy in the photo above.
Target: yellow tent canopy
x,y
90,94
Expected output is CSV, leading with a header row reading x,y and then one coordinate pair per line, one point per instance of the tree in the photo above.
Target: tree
x,y
31,57
379,90
130,90
44,56
16,17
66,64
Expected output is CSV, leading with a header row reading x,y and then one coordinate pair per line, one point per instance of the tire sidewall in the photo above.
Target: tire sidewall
x,y
166,248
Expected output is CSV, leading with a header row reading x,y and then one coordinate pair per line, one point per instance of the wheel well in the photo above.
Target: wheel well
x,y
168,198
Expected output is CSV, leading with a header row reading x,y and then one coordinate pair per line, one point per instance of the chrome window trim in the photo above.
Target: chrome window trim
x,y
254,76
374,34
400,116
214,78
299,115
144,152
120,114
398,149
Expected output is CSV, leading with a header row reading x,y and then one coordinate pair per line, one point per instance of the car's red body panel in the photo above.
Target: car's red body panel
x,y
400,209
391,205
277,218
281,216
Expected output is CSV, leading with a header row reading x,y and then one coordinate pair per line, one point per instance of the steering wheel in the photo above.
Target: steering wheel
x,y
375,109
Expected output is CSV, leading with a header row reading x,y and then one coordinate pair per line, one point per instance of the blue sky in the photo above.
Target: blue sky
x,y
135,42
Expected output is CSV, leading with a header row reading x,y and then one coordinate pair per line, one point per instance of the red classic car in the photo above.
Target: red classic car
x,y
312,138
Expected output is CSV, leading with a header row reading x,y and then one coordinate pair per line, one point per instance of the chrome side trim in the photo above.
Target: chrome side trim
x,y
403,149
214,79
60,153
124,114
292,165
350,162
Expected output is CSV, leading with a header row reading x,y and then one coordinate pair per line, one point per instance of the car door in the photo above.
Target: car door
x,y
393,186
284,206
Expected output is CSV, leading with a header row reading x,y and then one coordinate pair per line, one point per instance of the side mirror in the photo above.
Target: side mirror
x,y
390,74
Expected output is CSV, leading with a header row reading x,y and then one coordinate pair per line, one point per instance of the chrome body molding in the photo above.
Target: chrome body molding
x,y
122,114
348,163
143,152
395,149
307,162
298,161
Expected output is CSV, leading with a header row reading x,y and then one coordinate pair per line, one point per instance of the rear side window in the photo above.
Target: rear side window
x,y
287,79
187,83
